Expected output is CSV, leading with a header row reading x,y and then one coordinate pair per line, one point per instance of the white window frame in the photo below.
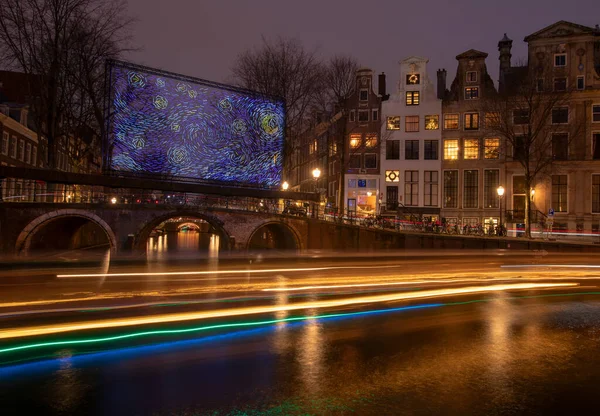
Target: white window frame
x,y
6,139
471,98
464,171
560,66
568,115
592,117
471,72
16,152
360,94
592,142
559,213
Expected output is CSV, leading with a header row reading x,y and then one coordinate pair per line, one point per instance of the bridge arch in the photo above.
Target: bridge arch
x,y
76,218
273,234
144,232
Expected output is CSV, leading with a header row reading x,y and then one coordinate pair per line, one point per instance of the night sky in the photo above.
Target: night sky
x,y
203,38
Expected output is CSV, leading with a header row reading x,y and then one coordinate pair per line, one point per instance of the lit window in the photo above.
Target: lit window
x,y
432,122
371,141
471,149
450,121
413,79
471,93
492,120
393,123
412,97
492,148
313,147
471,121
471,76
559,193
560,60
355,140
392,176
451,149
411,123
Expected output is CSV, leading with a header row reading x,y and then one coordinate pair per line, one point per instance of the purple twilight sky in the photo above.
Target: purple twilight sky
x,y
202,38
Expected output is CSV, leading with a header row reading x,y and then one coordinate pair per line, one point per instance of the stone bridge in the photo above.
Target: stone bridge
x,y
28,227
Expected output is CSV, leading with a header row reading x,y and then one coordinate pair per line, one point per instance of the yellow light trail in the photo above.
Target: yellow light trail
x,y
222,313
409,282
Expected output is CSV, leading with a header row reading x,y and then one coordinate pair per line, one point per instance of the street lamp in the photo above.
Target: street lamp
x,y
285,185
113,200
500,191
316,174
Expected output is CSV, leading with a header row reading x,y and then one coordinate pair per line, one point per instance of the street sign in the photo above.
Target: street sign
x,y
551,212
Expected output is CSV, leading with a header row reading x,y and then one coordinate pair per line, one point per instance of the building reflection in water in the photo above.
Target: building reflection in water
x,y
67,389
312,353
281,337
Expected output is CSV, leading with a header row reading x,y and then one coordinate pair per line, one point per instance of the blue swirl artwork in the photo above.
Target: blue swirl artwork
x,y
178,126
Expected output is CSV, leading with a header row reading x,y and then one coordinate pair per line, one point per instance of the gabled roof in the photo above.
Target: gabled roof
x,y
473,54
414,58
559,29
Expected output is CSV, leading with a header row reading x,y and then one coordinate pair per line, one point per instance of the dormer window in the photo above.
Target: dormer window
x,y
471,76
413,79
560,60
471,93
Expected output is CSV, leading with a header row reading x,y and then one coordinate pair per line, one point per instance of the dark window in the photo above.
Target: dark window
x,y
580,83
596,113
431,149
451,189
471,93
431,188
370,161
596,146
352,115
354,162
392,150
560,115
519,148
559,193
411,150
560,59
411,187
413,79
363,115
471,188
491,181
391,197
595,193
471,121
560,146
520,116
471,76
540,85
364,95
375,115
412,97
560,84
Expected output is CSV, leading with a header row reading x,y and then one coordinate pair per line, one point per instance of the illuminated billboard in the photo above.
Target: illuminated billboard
x,y
166,124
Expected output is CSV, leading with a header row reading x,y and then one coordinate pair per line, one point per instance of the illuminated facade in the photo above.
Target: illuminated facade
x,y
410,152
471,157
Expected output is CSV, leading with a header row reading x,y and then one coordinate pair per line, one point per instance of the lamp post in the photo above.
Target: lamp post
x,y
500,191
316,174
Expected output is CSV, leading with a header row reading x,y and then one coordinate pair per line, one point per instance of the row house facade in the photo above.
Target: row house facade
x,y
362,148
566,57
472,164
19,148
410,152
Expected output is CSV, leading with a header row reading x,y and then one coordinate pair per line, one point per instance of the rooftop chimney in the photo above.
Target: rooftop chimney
x,y
441,83
382,87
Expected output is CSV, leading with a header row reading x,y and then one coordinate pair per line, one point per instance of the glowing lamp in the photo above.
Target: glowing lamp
x,y
500,191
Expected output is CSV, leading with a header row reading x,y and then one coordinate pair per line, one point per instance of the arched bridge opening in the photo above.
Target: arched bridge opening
x,y
274,236
182,233
66,231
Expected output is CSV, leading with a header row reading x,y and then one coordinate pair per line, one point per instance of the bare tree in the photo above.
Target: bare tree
x,y
534,118
283,68
61,45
